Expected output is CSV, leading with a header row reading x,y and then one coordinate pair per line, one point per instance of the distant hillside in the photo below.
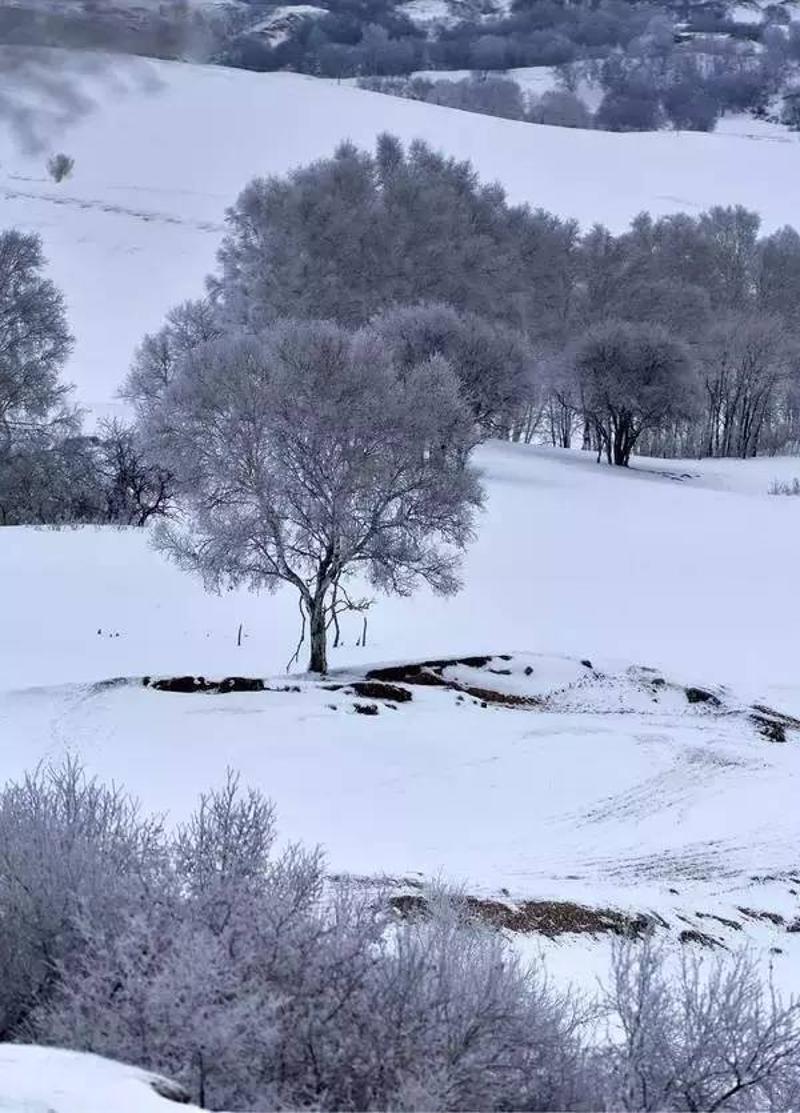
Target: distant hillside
x,y
161,149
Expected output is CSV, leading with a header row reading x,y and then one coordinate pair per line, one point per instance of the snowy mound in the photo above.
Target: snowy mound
x,y
49,1080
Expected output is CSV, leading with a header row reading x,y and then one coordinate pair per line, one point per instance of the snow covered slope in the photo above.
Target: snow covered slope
x,y
49,1080
613,789
168,146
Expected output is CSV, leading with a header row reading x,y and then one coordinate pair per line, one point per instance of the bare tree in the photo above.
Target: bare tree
x,y
135,490
304,455
745,360
709,1037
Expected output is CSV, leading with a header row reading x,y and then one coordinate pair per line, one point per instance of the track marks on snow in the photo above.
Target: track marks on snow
x,y
147,216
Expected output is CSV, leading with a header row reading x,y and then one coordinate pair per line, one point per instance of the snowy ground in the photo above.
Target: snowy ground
x,y
48,1080
614,793
688,568
168,146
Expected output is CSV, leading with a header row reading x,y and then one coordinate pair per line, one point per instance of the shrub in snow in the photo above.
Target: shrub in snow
x,y
629,111
560,108
242,973
785,487
60,167
306,454
68,846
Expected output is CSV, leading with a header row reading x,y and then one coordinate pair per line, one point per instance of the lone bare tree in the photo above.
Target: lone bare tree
x,y
305,455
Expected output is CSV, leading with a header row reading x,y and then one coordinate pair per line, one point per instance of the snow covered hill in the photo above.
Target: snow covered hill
x,y
167,146
610,789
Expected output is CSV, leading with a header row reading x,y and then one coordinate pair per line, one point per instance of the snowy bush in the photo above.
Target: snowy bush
x,y
60,167
785,487
239,970
69,847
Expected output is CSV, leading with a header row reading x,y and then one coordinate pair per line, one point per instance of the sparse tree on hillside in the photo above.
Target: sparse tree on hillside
x,y
633,378
305,455
632,110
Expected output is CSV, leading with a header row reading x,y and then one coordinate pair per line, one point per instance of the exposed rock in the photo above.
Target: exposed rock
x,y
772,724
757,914
240,684
425,672
178,684
377,689
365,708
691,935
702,695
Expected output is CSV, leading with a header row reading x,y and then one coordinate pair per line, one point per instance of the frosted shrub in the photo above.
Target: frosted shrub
x,y
69,847
245,975
785,487
707,1036
60,167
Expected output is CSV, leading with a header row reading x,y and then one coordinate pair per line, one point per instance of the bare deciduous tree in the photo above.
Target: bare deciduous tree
x,y
306,454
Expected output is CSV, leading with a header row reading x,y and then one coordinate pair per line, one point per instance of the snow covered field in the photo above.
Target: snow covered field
x,y
615,793
169,146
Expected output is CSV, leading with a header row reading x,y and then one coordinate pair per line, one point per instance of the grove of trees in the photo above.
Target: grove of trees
x,y
373,317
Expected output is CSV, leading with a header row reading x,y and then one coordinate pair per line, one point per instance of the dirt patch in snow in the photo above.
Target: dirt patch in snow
x,y
430,674
536,917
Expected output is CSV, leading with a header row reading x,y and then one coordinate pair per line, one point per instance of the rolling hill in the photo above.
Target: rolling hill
x,y
161,149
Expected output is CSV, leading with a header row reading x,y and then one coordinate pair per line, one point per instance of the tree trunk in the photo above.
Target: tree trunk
x,y
318,661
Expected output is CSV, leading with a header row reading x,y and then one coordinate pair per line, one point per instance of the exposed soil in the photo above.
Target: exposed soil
x,y
189,684
429,674
691,935
756,914
537,917
377,689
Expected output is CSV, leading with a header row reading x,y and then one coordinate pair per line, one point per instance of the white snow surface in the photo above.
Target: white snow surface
x,y
613,793
50,1080
168,146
